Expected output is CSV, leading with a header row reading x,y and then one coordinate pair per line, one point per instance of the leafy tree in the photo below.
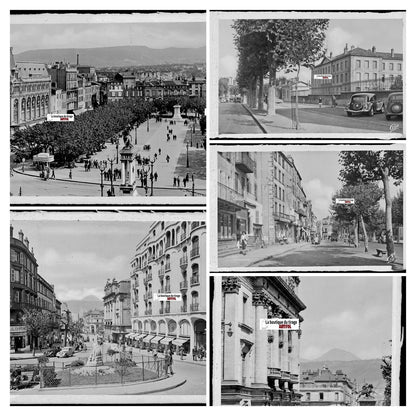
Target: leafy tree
x,y
397,209
38,324
223,87
363,167
76,329
386,373
365,207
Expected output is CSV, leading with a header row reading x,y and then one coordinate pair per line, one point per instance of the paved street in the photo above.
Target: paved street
x,y
233,120
331,254
88,183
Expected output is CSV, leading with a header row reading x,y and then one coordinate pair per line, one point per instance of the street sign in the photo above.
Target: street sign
x,y
345,201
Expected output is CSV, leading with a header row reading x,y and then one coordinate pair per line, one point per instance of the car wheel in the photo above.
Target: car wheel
x,y
388,117
371,112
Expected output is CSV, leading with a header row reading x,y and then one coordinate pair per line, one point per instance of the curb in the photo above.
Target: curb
x,y
259,125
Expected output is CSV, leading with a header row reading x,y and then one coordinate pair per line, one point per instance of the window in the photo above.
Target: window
x,y
358,63
391,67
321,396
308,397
245,308
374,64
366,64
399,67
336,396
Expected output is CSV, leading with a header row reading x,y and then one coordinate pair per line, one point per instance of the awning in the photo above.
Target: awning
x,y
140,336
130,335
156,339
180,341
147,338
43,157
167,340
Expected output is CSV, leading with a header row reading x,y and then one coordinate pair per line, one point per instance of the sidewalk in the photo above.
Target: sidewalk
x,y
24,355
188,359
259,254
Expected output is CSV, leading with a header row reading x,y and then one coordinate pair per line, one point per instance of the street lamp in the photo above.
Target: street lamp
x,y
144,169
187,155
117,144
148,123
23,164
111,174
101,166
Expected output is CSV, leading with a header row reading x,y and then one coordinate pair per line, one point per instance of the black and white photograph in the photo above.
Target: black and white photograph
x,y
294,207
336,351
306,74
107,310
108,105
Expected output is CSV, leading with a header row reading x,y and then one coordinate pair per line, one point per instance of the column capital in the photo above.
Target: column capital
x,y
261,299
231,285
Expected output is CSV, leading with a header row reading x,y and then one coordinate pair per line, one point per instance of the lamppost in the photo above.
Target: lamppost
x,y
193,185
144,169
117,144
101,166
23,164
187,155
111,174
148,123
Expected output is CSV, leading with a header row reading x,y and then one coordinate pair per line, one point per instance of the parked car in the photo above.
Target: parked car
x,y
364,103
52,352
65,352
394,105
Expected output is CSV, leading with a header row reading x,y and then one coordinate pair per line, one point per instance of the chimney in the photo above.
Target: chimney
x,y
373,49
346,48
21,235
33,252
27,242
330,55
392,53
11,231
77,59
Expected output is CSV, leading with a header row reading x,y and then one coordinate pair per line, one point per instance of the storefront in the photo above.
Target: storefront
x,y
182,342
155,343
18,337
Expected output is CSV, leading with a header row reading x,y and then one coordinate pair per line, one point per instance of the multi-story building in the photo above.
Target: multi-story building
x,y
117,315
358,69
94,322
170,260
30,91
28,290
259,365
65,77
239,199
324,388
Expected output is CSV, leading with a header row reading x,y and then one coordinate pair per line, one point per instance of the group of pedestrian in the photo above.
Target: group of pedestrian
x,y
177,180
198,354
242,243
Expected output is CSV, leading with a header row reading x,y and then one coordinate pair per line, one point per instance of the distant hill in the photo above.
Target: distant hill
x,y
116,56
363,371
337,354
84,305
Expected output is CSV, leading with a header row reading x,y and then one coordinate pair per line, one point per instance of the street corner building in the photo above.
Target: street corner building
x,y
170,260
29,291
260,366
261,194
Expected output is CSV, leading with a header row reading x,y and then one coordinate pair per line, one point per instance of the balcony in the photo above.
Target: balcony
x,y
161,272
161,310
183,262
229,194
184,308
274,372
283,217
194,225
294,378
183,285
167,267
301,211
194,307
183,236
285,376
194,252
148,312
245,163
195,280
167,308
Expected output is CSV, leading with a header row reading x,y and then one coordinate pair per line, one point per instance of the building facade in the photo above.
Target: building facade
x,y
94,322
324,388
358,69
30,91
117,315
240,207
170,260
28,291
259,366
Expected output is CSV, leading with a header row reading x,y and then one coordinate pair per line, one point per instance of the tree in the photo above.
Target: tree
x,y
38,324
386,373
365,207
223,87
369,166
397,209
76,329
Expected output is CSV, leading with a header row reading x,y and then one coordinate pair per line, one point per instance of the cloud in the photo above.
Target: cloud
x,y
338,37
228,66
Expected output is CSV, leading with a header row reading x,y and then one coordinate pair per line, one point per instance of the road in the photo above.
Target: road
x,y
332,254
234,119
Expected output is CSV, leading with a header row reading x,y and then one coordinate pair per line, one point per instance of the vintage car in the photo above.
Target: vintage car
x,y
394,105
65,352
364,103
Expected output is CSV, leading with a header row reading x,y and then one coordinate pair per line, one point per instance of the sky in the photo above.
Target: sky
x,y
353,313
78,257
24,37
319,171
363,33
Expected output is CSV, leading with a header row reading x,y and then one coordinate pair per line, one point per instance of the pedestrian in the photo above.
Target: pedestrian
x,y
154,352
184,182
320,102
187,177
155,176
70,174
155,155
194,353
160,151
174,181
168,362
167,158
53,174
181,352
243,243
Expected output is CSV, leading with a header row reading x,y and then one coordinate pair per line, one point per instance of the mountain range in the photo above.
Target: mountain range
x,y
79,306
116,56
337,354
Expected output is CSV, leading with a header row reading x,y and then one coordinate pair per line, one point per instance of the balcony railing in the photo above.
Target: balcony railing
x,y
294,378
274,372
245,163
184,308
183,262
148,312
161,272
229,194
194,225
167,267
283,216
183,285
194,252
195,280
167,308
194,307
161,310
183,236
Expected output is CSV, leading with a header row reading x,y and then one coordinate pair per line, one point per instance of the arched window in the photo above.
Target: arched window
x,y
167,284
38,105
184,328
23,107
16,111
42,104
194,301
33,107
29,109
195,274
47,103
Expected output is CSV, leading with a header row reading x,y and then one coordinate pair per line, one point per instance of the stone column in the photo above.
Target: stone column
x,y
123,172
232,363
260,303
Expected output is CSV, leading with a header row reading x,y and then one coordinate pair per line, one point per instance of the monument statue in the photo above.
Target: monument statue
x,y
127,142
366,392
96,357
